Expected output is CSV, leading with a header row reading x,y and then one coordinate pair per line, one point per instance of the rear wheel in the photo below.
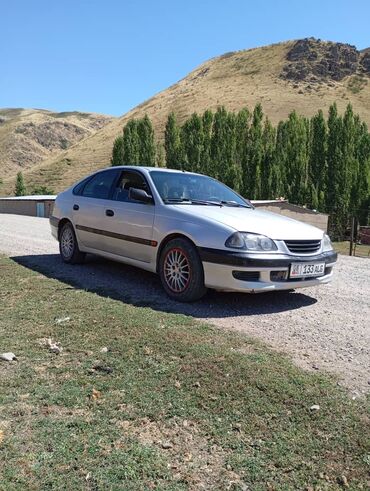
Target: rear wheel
x,y
68,246
181,271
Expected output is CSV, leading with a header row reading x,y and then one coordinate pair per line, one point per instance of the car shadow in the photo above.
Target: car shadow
x,y
141,288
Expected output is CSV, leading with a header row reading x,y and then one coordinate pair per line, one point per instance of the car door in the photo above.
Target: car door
x,y
129,226
90,202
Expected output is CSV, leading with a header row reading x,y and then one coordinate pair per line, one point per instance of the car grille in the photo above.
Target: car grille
x,y
303,246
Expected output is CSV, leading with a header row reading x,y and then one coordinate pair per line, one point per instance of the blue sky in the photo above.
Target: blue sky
x,y
108,56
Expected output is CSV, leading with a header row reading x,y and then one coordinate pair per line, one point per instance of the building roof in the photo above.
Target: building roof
x,y
36,197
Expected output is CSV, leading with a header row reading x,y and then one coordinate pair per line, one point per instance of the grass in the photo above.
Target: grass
x,y
361,250
186,406
356,83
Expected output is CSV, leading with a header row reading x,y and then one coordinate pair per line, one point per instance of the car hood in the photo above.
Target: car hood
x,y
272,225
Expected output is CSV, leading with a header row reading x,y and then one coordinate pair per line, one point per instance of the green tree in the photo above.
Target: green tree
x,y
146,145
269,168
223,145
42,190
205,158
254,152
317,161
297,158
335,202
172,143
131,144
160,156
117,152
20,187
192,142
361,189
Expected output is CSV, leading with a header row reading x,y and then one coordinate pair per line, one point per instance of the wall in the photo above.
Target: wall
x,y
319,220
25,206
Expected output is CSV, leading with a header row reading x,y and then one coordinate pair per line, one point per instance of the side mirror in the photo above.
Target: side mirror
x,y
139,195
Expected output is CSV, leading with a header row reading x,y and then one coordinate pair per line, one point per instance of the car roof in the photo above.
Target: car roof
x,y
148,169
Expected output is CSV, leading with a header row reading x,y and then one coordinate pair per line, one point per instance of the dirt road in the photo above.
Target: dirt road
x,y
321,328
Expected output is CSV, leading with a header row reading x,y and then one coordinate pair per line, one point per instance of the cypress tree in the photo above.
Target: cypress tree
x,y
362,187
269,174
252,167
335,201
146,148
192,142
350,166
117,152
279,187
297,158
160,156
223,146
241,138
172,143
317,161
205,158
131,143
218,143
20,187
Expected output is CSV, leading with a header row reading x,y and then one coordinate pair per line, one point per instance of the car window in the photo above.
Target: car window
x,y
100,185
187,186
129,179
80,186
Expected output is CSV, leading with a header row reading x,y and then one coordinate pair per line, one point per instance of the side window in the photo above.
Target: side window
x,y
100,185
77,190
129,179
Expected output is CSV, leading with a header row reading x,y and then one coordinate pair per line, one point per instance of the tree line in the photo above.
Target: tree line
x,y
319,162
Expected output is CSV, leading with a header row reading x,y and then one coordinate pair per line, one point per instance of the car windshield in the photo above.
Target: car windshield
x,y
176,187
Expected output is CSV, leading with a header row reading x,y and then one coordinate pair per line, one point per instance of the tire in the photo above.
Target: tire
x,y
181,271
68,246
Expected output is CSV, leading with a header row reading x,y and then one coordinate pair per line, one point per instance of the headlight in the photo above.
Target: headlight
x,y
250,242
326,243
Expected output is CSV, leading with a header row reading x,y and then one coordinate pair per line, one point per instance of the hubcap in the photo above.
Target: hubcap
x,y
176,270
67,243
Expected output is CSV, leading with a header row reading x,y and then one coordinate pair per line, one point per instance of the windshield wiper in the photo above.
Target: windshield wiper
x,y
192,201
235,203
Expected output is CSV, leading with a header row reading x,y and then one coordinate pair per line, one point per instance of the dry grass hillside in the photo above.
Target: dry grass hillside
x,y
304,75
29,136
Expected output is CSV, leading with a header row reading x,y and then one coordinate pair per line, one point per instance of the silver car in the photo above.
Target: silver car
x,y
195,232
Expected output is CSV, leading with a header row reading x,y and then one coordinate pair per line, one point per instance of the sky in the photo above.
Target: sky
x,y
108,56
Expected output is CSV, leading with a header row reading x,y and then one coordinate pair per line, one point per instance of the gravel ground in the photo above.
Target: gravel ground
x,y
321,328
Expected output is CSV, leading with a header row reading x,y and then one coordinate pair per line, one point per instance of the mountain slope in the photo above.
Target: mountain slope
x,y
29,136
305,75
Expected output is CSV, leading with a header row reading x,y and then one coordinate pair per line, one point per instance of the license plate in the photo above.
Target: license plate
x,y
302,270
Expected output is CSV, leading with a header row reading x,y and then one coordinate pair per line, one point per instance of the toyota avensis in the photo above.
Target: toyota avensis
x,y
195,232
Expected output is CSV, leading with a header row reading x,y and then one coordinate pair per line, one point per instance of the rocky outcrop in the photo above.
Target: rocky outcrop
x,y
313,60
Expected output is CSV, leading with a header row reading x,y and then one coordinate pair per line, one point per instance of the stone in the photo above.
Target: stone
x,y
8,356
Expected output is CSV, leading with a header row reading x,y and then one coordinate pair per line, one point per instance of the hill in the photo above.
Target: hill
x,y
305,75
29,136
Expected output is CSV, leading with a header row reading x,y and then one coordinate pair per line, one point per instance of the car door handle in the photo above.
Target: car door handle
x,y
109,213
76,207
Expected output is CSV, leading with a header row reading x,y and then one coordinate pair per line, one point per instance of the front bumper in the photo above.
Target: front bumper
x,y
243,272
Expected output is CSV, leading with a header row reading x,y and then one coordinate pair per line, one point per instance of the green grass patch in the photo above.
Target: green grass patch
x,y
360,250
356,83
185,407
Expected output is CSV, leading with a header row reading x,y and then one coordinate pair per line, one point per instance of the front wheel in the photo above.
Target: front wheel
x,y
181,271
68,246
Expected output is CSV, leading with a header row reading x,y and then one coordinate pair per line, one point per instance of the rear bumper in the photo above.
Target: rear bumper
x,y
54,223
242,272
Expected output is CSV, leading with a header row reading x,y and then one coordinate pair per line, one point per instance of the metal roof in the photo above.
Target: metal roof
x,y
36,197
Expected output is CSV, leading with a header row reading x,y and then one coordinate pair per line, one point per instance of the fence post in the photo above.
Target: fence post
x,y
352,235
